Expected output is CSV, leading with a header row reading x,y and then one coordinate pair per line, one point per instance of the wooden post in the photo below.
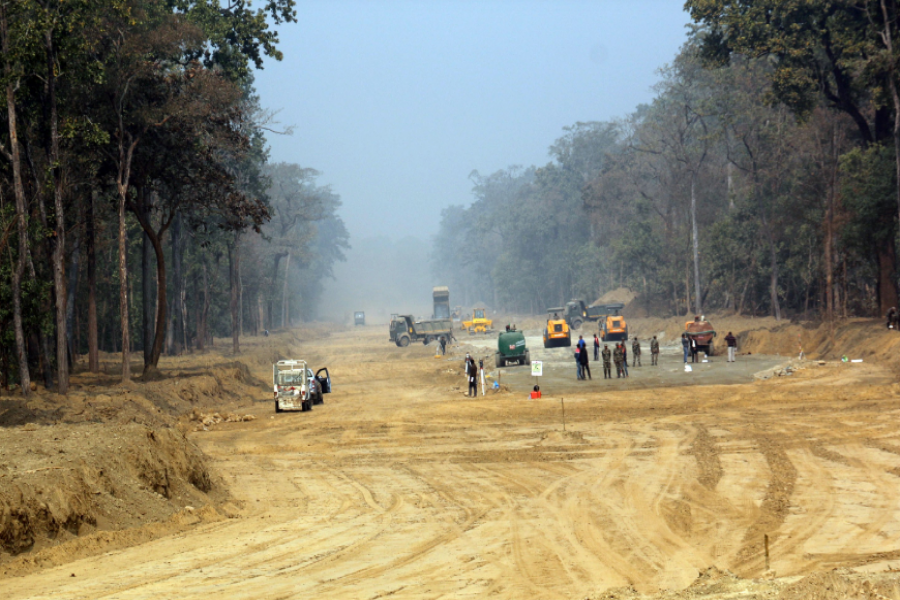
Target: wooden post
x,y
766,539
562,402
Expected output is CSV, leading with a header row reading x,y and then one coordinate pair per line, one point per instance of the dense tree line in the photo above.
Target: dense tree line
x,y
762,179
135,186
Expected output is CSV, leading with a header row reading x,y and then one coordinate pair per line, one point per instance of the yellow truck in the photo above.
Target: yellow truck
x,y
479,322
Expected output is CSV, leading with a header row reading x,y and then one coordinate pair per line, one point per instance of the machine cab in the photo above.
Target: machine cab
x,y
324,380
479,313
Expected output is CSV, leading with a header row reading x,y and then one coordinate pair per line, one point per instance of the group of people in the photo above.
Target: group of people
x,y
689,344
619,356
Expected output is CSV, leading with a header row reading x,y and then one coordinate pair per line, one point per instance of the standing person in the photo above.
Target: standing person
x,y
607,367
636,353
624,358
654,352
617,358
443,345
585,363
686,346
732,346
891,317
472,372
596,348
694,351
579,369
581,343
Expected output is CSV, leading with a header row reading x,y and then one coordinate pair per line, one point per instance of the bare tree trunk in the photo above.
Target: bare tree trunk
x,y
284,292
696,245
93,345
122,182
177,319
201,321
234,269
59,239
148,309
21,211
74,266
888,40
773,278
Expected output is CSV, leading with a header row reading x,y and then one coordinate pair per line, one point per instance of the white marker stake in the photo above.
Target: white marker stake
x,y
482,382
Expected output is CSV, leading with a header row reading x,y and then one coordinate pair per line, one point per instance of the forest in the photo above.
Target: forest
x,y
139,210
761,180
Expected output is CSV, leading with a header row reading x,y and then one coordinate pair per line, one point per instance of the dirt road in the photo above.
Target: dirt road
x,y
400,486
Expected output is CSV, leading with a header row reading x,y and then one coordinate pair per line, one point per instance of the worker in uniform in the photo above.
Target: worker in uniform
x,y
596,348
624,358
618,357
654,351
607,367
636,353
443,341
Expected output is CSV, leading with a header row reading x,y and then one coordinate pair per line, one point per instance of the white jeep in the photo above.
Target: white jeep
x,y
295,386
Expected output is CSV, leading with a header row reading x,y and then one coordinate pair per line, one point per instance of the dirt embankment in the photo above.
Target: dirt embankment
x,y
714,584
109,464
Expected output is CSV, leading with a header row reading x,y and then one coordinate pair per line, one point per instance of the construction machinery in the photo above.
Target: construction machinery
x,y
557,332
295,386
456,314
479,323
359,318
701,331
405,329
441,296
577,312
511,349
613,328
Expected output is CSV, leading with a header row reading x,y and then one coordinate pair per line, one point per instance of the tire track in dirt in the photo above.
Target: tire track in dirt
x,y
775,504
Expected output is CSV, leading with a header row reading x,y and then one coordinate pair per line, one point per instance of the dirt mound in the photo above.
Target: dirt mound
x,y
622,295
63,481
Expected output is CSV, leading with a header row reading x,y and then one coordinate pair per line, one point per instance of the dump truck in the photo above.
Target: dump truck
x,y
557,332
577,312
701,331
295,386
456,314
441,296
479,323
359,318
511,349
405,329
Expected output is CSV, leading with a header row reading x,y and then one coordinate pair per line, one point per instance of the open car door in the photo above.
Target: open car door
x,y
324,380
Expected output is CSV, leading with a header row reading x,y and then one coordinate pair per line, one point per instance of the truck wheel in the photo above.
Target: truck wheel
x,y
403,341
527,358
710,349
277,408
497,360
576,323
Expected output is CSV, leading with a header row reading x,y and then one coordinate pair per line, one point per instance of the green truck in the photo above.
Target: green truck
x,y
511,349
405,329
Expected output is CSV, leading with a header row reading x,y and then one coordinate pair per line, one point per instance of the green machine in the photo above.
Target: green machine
x,y
511,349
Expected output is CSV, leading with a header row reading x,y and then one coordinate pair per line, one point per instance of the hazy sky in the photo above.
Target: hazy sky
x,y
396,102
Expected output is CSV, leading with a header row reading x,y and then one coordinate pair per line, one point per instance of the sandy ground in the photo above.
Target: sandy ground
x,y
401,486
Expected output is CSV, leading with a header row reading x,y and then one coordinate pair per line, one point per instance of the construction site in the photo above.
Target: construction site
x,y
770,477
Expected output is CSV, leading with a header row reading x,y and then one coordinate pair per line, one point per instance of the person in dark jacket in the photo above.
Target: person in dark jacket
x,y
695,352
472,373
579,368
585,363
732,346
625,359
